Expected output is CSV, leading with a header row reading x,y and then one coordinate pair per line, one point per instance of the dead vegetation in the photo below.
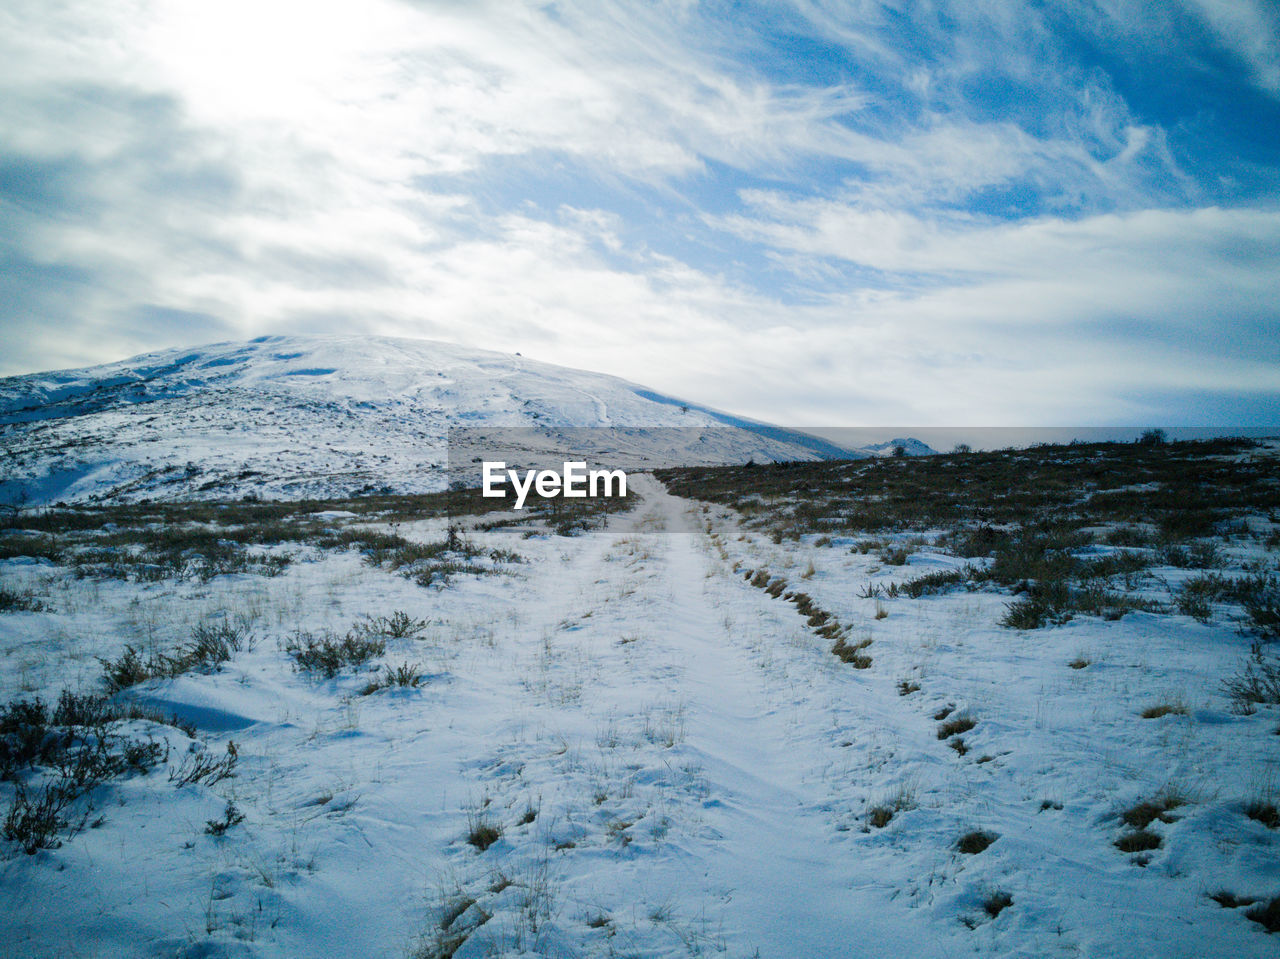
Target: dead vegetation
x,y
1067,530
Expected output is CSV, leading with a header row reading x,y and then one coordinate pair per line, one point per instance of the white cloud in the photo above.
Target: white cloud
x,y
1249,29
295,166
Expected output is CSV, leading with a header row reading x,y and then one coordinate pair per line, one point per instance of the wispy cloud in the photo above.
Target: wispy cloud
x,y
787,209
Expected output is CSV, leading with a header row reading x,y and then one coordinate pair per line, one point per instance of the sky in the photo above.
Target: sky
x,y
948,212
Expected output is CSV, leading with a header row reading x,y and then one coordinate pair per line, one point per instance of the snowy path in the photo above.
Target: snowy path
x,y
714,755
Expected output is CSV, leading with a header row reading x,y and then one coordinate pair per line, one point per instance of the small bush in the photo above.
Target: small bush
x,y
76,750
399,625
953,727
1140,840
1164,709
34,824
931,583
1264,616
1257,682
15,602
201,767
906,687
1026,614
1193,605
881,814
208,648
1145,813
231,816
852,654
329,655
972,843
482,834
1202,555
128,670
405,676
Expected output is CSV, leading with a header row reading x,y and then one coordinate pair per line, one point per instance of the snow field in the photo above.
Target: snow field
x,y
658,758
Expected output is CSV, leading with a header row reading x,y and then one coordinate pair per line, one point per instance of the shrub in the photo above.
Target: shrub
x,y
972,843
208,648
1026,614
328,655
953,727
1193,605
34,824
1195,555
881,814
231,816
1145,813
128,670
481,833
201,767
852,654
1140,840
936,582
405,676
15,602
399,625
1164,709
76,750
1264,616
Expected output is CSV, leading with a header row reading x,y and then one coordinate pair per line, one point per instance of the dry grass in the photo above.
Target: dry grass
x,y
1165,709
1140,840
972,843
956,725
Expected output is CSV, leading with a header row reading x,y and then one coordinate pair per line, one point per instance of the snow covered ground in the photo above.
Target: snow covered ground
x,y
323,416
668,759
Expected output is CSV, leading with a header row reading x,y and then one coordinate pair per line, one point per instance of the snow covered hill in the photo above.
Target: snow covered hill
x,y
294,417
910,447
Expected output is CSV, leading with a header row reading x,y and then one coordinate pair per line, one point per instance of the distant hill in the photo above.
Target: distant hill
x,y
311,416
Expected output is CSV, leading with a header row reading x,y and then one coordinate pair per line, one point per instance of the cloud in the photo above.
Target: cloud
x,y
821,210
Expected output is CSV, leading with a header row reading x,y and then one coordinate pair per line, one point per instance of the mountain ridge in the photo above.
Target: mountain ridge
x,y
290,417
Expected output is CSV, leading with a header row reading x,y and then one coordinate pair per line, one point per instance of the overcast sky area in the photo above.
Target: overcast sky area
x,y
816,212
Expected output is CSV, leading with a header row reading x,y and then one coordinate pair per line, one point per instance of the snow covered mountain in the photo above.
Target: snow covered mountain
x,y
910,446
314,416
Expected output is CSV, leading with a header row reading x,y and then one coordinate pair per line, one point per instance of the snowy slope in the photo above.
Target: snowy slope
x,y
293,417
